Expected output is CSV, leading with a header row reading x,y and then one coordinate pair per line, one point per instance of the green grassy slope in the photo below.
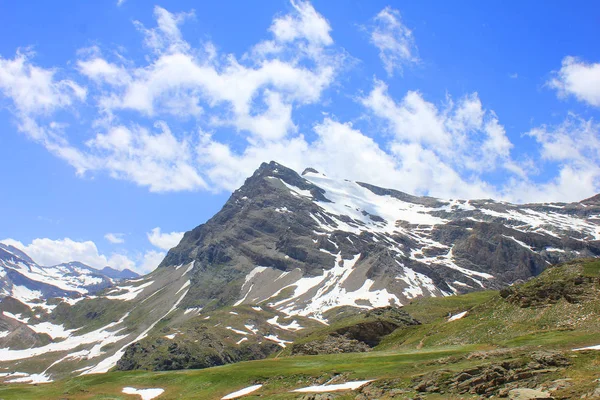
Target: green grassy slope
x,y
505,328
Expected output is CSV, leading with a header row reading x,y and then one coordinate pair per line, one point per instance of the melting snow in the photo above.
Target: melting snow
x,y
276,339
332,388
131,292
457,316
523,244
193,309
109,362
145,394
186,284
237,331
416,282
103,336
242,392
293,326
597,347
54,331
31,379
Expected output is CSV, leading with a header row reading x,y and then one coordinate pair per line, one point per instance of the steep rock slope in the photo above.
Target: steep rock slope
x,y
305,244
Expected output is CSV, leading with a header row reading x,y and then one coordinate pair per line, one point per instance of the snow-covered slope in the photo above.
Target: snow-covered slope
x,y
306,244
89,333
23,279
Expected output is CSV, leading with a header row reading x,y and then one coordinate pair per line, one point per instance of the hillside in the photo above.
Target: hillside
x,y
500,344
289,253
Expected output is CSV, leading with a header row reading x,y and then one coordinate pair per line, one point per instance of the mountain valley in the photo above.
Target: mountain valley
x,y
300,265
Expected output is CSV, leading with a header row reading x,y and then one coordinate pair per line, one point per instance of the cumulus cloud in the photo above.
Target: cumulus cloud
x,y
115,238
164,241
573,148
192,117
394,41
150,260
437,145
36,90
50,252
578,78
254,95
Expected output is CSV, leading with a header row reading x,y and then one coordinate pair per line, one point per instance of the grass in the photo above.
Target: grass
x,y
278,375
592,268
491,323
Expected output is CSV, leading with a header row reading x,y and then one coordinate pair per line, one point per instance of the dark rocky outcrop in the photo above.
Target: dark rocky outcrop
x,y
566,283
194,350
496,378
360,336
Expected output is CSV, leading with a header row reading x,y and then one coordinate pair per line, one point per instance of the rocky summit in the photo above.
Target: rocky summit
x,y
306,244
288,253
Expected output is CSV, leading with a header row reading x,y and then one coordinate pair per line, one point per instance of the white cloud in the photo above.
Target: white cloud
x,y
394,40
36,90
306,23
166,37
100,70
137,109
151,260
157,160
573,148
164,241
255,95
50,252
578,78
464,135
115,237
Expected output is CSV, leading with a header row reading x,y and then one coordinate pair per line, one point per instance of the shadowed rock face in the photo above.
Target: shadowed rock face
x,y
361,335
308,243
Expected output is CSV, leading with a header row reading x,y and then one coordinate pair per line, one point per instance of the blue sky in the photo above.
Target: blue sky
x,y
125,123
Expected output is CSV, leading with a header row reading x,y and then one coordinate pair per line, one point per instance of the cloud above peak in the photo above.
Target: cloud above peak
x,y
188,116
394,40
579,79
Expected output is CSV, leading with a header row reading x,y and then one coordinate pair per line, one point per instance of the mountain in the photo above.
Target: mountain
x,y
537,340
23,279
287,253
119,275
308,244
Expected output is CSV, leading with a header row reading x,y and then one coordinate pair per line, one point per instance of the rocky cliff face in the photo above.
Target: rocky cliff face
x,y
306,244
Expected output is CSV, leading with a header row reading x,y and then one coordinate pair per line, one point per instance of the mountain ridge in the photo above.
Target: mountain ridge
x,y
255,212
285,252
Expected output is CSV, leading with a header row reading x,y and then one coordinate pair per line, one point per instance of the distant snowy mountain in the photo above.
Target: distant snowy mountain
x,y
118,275
287,250
25,280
